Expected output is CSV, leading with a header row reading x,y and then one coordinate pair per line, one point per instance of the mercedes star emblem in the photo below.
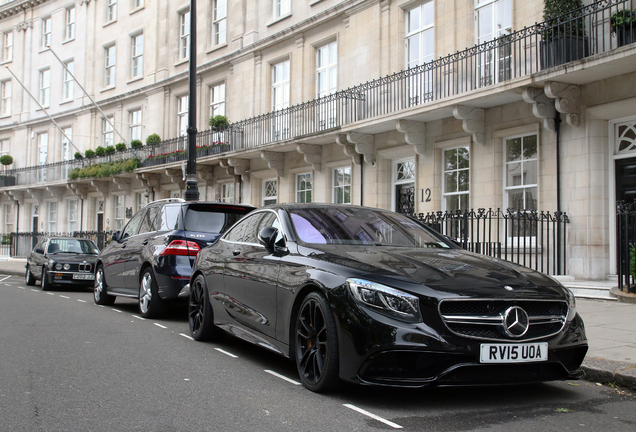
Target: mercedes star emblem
x,y
516,322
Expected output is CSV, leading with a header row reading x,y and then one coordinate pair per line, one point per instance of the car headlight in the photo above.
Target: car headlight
x,y
569,295
67,267
58,266
386,300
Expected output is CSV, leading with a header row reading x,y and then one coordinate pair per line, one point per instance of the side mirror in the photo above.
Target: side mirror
x,y
39,250
267,237
116,236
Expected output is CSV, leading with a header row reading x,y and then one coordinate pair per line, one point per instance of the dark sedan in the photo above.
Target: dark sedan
x,y
62,261
374,297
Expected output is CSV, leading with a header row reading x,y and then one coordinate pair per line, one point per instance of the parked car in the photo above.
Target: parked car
x,y
375,297
62,261
151,259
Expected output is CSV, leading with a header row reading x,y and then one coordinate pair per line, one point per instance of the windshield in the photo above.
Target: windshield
x,y
212,219
364,226
75,246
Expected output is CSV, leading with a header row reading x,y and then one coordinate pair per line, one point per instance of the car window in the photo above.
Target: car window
x,y
75,246
212,219
246,231
149,222
131,227
169,218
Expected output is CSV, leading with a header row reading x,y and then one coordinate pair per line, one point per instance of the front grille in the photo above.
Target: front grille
x,y
505,374
85,267
484,319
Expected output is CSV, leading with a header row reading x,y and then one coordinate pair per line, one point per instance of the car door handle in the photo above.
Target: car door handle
x,y
236,252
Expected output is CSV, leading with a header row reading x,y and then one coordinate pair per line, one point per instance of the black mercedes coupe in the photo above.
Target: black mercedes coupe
x,y
374,297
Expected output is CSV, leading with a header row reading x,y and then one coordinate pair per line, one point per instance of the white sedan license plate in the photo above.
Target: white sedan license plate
x,y
514,353
87,276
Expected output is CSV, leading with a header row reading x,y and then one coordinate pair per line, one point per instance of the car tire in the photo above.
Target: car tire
x,y
316,344
200,314
150,304
28,277
46,285
100,288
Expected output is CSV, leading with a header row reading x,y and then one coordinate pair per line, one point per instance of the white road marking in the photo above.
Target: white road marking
x,y
277,375
138,317
50,294
117,310
65,297
2,280
34,290
21,287
80,300
186,336
159,325
226,353
373,416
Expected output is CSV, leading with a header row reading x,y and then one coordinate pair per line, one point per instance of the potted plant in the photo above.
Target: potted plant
x,y
136,144
120,147
564,36
218,123
6,180
153,139
623,24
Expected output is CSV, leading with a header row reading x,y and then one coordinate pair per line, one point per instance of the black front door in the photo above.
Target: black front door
x,y
626,180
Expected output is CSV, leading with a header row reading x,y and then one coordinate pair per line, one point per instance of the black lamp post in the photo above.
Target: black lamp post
x,y
191,187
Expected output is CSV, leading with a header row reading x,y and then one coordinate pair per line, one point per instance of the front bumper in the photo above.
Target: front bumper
x,y
70,278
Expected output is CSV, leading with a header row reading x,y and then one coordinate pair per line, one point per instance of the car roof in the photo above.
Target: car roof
x,y
69,238
208,203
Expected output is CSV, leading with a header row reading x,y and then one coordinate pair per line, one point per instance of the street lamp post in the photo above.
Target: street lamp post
x,y
191,187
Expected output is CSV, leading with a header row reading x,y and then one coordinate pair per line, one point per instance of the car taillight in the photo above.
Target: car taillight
x,y
182,247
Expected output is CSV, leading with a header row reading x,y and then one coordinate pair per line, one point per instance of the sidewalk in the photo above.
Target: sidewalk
x,y
610,327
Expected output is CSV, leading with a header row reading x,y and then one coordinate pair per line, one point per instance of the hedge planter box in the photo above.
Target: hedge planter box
x,y
7,181
563,49
160,160
626,35
222,148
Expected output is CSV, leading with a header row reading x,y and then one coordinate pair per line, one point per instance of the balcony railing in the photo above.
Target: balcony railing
x,y
581,33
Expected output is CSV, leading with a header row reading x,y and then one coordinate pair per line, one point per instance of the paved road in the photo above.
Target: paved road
x,y
67,364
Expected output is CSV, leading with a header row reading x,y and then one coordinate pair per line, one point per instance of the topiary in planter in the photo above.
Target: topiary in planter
x,y
110,150
136,144
218,123
120,147
564,36
6,160
78,155
100,151
153,139
89,153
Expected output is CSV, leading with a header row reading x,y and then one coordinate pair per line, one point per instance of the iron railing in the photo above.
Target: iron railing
x,y
530,238
583,32
18,245
626,246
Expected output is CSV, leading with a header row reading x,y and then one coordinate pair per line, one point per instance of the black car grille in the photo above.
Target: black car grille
x,y
485,319
504,374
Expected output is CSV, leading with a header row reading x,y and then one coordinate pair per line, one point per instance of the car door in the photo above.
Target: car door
x,y
251,275
117,254
36,259
138,248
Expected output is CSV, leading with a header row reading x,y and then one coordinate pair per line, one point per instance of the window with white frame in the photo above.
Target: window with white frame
x,y
70,24
217,100
110,57
5,104
182,118
420,48
111,10
326,83
281,8
47,24
280,99
135,124
141,199
7,46
108,137
456,178
342,185
303,188
69,82
493,21
227,193
52,216
8,218
137,55
219,22
66,149
120,211
43,149
137,3
521,172
404,185
270,191
45,87
184,35
72,215
4,147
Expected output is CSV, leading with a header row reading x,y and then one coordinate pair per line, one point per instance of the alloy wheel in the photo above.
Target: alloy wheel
x,y
145,293
312,339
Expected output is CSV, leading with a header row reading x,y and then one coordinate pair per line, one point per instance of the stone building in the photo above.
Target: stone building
x,y
415,106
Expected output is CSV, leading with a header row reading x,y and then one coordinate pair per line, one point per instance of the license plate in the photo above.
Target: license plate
x,y
87,276
514,353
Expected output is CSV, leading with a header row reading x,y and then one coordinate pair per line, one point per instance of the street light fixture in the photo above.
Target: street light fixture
x,y
191,188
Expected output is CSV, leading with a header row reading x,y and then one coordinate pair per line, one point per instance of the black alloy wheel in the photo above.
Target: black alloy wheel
x,y
29,278
150,304
200,314
99,289
46,285
316,344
